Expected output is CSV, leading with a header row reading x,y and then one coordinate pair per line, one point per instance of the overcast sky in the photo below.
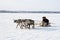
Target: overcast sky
x,y
36,5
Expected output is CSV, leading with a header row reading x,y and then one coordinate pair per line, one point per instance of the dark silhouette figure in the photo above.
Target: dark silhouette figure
x,y
45,21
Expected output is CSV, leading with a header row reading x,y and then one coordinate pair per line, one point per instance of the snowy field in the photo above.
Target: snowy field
x,y
8,29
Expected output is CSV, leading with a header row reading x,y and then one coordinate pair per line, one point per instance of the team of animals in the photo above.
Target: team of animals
x,y
28,23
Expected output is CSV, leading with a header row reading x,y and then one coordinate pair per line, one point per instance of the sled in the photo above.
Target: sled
x,y
40,25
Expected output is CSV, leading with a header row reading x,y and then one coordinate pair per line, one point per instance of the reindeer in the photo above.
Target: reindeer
x,y
29,22
24,23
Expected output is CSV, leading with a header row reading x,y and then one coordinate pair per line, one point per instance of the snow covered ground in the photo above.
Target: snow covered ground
x,y
8,29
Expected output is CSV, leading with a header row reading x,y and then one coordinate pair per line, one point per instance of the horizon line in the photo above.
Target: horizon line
x,y
11,11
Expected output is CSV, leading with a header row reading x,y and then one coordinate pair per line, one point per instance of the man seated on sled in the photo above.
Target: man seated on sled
x,y
45,21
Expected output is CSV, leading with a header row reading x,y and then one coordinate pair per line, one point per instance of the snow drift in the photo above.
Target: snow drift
x,y
8,29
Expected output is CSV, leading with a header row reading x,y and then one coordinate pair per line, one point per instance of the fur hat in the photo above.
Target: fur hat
x,y
43,17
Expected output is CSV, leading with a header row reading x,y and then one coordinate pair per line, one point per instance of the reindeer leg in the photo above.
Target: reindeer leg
x,y
25,26
29,26
33,26
21,26
17,25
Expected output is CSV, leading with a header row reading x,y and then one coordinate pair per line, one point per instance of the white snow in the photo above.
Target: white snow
x,y
8,29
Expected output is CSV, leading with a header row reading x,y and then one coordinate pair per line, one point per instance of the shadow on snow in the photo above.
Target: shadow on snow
x,y
49,28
